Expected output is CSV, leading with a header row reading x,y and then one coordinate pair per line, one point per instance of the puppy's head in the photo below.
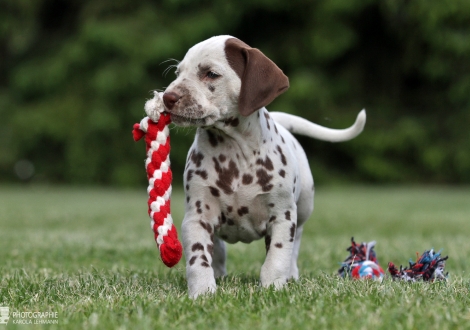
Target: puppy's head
x,y
220,78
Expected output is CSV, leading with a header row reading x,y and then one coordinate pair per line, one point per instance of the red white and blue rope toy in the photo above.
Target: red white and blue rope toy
x,y
361,262
428,267
157,140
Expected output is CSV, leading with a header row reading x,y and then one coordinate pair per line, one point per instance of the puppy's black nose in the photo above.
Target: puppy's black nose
x,y
170,99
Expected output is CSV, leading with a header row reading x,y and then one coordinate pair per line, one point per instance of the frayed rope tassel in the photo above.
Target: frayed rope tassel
x,y
428,267
362,262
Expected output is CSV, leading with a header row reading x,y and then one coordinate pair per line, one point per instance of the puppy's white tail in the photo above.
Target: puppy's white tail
x,y
298,125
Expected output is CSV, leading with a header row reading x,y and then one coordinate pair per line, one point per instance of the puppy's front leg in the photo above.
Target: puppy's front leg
x,y
279,247
198,246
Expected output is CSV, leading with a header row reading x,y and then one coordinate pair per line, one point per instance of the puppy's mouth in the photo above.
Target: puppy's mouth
x,y
186,121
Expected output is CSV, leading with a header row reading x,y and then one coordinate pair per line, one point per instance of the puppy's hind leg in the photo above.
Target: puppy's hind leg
x,y
304,211
294,269
219,257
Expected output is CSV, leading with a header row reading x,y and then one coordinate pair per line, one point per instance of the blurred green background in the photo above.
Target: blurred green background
x,y
74,77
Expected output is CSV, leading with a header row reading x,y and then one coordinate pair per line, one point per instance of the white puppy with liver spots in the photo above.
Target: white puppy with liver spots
x,y
246,176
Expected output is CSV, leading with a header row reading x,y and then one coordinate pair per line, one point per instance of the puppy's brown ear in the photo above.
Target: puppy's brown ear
x,y
262,81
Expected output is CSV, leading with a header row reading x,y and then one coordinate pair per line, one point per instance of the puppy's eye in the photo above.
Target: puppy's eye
x,y
212,75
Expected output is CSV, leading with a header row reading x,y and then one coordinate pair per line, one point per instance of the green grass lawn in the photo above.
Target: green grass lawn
x,y
89,254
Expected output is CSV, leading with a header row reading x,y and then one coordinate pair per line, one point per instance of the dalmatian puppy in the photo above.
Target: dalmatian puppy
x,y
246,176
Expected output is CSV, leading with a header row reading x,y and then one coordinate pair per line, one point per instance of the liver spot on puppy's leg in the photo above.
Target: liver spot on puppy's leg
x,y
202,173
214,191
198,207
243,210
247,179
196,158
287,214
283,157
292,232
197,247
189,175
206,226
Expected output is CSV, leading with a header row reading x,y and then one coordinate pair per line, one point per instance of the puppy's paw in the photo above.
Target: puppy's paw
x,y
154,107
271,276
219,271
278,283
200,281
294,272
208,288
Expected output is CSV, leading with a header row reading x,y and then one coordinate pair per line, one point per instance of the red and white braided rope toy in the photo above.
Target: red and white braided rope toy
x,y
157,140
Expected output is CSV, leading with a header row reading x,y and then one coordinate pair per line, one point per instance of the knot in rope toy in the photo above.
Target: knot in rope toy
x,y
157,140
428,267
361,262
